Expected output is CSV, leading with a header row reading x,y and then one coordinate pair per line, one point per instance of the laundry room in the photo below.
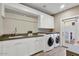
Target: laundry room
x,y
39,29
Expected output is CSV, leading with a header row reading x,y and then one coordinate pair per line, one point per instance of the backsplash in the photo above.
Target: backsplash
x,y
15,23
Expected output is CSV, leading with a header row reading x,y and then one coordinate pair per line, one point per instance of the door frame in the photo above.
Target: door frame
x,y
62,43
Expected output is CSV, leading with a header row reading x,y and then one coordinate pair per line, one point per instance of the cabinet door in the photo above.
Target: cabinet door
x,y
39,44
22,47
9,51
1,48
41,22
31,45
9,48
46,21
49,21
52,21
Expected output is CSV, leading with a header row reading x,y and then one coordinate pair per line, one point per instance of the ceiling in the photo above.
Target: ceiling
x,y
51,8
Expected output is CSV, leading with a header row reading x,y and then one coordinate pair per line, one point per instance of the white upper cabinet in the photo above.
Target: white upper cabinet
x,y
46,21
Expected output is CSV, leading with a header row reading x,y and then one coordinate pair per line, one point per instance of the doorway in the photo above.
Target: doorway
x,y
70,30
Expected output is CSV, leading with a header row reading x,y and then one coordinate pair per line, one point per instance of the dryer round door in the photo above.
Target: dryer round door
x,y
57,39
50,41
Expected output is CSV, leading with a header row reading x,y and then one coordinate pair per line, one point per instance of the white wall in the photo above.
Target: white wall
x,y
21,22
68,13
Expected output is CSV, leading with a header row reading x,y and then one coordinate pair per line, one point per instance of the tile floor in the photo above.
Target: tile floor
x,y
59,51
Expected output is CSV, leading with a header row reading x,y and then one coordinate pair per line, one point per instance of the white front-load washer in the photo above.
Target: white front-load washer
x,y
56,39
48,42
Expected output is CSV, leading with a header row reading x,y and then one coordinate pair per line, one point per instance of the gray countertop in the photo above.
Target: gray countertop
x,y
7,38
72,48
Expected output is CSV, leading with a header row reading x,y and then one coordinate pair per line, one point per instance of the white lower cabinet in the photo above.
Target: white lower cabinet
x,y
31,45
38,44
1,48
9,51
17,47
21,47
9,48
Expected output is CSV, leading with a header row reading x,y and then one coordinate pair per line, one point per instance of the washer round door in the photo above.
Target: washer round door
x,y
50,41
57,39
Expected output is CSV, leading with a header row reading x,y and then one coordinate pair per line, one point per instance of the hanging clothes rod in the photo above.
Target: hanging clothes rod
x,y
70,19
75,17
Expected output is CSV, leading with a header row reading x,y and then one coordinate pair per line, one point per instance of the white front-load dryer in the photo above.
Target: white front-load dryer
x,y
48,43
57,39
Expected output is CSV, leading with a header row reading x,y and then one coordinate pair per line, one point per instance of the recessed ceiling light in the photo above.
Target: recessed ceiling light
x,y
62,6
